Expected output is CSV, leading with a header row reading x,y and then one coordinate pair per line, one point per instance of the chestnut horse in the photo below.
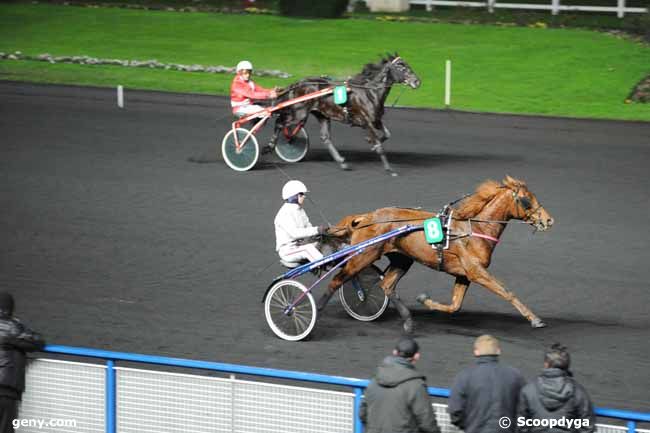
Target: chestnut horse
x,y
475,228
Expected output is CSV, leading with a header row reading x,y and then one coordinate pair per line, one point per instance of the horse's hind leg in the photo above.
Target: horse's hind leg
x,y
399,265
351,268
277,129
480,275
457,297
326,137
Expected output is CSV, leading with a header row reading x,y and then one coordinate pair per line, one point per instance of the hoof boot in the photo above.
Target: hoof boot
x,y
537,323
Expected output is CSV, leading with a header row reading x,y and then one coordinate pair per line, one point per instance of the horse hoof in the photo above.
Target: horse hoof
x,y
345,166
393,173
537,323
422,298
409,326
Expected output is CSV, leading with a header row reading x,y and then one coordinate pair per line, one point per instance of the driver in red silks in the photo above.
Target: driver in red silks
x,y
243,90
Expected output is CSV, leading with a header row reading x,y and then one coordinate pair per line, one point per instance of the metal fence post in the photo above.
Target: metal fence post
x,y
110,396
631,427
555,7
447,83
358,395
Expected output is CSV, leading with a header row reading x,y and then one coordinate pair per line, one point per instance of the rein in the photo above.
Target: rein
x,y
469,220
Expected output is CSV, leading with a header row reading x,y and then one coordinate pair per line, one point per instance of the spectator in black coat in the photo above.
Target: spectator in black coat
x,y
15,340
555,395
486,392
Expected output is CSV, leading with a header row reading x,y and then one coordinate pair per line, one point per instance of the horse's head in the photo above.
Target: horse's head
x,y
401,72
525,205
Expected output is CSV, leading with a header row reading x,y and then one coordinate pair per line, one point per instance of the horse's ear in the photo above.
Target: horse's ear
x,y
509,181
513,183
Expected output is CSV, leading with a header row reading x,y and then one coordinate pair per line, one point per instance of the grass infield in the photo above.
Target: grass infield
x,y
506,69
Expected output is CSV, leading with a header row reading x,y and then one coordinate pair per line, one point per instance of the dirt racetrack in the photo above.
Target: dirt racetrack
x,y
113,240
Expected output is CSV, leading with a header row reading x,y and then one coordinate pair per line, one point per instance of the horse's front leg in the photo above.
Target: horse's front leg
x,y
326,138
379,148
385,133
279,124
478,274
375,136
457,297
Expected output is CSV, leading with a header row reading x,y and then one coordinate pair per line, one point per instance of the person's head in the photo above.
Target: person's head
x,y
245,69
294,192
557,356
486,345
407,348
6,303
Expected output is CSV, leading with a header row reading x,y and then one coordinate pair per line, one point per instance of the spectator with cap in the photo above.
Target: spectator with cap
x,y
15,340
554,395
486,392
396,400
243,91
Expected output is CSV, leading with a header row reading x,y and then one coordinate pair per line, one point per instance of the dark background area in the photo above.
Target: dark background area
x,y
113,240
637,24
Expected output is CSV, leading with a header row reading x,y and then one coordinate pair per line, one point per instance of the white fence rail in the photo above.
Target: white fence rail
x,y
163,402
555,7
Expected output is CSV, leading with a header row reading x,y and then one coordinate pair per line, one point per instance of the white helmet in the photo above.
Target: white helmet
x,y
292,188
244,64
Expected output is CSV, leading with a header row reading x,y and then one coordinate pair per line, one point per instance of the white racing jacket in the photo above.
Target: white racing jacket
x,y
291,223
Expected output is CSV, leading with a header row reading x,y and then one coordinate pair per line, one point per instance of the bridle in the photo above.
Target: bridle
x,y
524,204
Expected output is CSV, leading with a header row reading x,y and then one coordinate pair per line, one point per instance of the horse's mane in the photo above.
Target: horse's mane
x,y
370,70
473,204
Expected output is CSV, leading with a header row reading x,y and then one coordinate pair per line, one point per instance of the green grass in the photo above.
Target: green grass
x,y
559,72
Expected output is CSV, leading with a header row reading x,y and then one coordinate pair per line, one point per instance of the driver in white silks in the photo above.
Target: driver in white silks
x,y
292,224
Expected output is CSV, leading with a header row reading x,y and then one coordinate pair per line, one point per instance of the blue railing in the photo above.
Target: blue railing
x,y
358,385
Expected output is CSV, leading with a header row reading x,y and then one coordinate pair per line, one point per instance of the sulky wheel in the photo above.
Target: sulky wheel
x,y
244,158
292,149
362,297
290,324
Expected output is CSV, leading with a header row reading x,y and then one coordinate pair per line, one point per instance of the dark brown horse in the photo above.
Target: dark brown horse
x,y
475,227
364,108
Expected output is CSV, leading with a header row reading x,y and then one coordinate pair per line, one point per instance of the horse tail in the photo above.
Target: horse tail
x,y
344,228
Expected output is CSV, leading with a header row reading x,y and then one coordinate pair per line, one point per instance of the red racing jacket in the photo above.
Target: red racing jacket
x,y
241,92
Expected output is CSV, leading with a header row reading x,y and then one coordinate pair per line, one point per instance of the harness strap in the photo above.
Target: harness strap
x,y
480,235
440,249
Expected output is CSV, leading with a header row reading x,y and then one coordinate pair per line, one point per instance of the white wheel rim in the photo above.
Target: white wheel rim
x,y
302,154
269,319
355,315
252,141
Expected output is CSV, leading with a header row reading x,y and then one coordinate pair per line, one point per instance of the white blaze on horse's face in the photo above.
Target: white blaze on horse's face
x,y
404,73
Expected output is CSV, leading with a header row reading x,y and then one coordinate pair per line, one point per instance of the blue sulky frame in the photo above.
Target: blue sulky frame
x,y
346,254
358,385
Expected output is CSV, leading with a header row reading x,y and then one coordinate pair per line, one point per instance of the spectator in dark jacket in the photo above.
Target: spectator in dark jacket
x,y
555,395
485,392
396,401
15,340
